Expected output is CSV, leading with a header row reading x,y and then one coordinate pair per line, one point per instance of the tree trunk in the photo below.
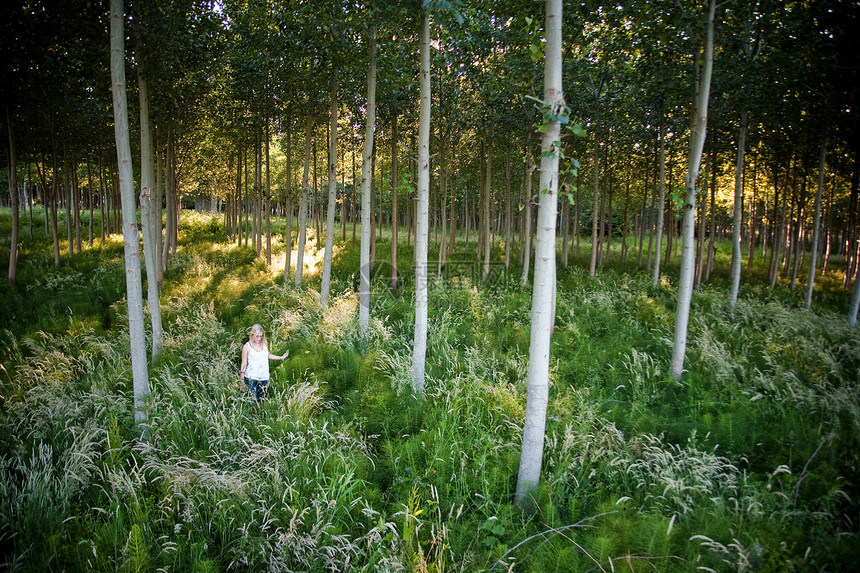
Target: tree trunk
x,y
779,229
13,196
565,228
661,203
534,427
303,199
816,224
699,124
134,289
288,200
712,236
325,289
737,219
267,198
68,195
700,240
595,208
508,212
394,201
146,219
419,344
76,198
364,266
55,194
485,215
527,218
354,196
753,216
170,194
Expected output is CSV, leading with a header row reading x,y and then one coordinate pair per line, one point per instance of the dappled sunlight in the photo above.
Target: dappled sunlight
x,y
339,316
311,265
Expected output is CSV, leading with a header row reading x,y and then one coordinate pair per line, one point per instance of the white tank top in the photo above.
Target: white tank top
x,y
258,363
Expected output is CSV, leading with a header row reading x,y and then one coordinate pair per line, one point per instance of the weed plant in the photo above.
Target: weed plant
x,y
748,464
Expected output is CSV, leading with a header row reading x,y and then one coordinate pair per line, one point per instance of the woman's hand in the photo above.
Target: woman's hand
x,y
285,354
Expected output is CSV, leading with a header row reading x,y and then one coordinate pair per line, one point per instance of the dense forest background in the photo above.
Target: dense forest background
x,y
278,176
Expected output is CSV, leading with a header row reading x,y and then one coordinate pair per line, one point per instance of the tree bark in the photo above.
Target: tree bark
x,y
146,219
288,207
698,130
367,152
534,427
527,217
394,200
661,203
595,208
737,219
419,344
13,196
303,199
134,290
485,214
267,197
325,289
816,224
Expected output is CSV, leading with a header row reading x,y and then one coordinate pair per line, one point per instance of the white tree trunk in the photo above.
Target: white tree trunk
x,y
527,219
419,343
661,203
855,304
147,219
288,192
544,276
303,200
13,196
332,193
816,224
485,209
366,156
699,124
134,289
595,206
737,220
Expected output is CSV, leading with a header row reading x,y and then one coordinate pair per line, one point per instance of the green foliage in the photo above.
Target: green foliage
x,y
749,463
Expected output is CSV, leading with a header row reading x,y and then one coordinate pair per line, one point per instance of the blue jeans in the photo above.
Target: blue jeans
x,y
257,388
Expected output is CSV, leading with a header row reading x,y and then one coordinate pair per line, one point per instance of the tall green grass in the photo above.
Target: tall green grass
x,y
748,464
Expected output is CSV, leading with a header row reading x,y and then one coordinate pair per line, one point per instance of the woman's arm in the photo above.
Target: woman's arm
x,y
281,357
244,359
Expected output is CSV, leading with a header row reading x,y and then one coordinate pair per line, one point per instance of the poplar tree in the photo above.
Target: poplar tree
x,y
367,151
134,289
555,111
698,131
419,341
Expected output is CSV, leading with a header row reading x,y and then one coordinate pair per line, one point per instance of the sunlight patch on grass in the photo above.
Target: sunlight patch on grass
x,y
338,317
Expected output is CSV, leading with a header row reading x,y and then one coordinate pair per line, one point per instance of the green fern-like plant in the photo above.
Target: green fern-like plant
x,y
138,552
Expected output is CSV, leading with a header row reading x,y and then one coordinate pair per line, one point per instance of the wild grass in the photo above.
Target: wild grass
x,y
748,464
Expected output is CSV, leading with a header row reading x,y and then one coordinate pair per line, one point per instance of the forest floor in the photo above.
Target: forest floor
x,y
750,463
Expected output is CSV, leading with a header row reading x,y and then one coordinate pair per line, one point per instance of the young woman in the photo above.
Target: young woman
x,y
255,362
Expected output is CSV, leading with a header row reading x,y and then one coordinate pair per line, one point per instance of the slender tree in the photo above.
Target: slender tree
x,y
419,342
698,132
332,191
367,152
303,199
544,276
134,289
13,196
816,224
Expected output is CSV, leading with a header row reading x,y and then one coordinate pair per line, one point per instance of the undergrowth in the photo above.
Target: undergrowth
x,y
748,464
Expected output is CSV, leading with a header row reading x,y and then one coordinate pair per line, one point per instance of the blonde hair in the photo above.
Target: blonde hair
x,y
258,329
